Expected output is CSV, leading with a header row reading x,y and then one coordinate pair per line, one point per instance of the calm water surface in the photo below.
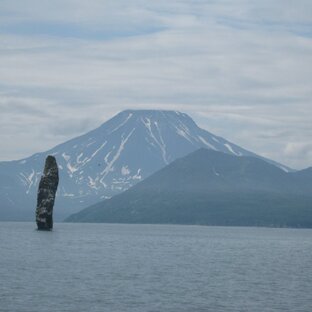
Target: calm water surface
x,y
101,267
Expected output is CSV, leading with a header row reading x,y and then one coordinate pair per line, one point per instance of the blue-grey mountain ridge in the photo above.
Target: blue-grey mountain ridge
x,y
107,161
208,187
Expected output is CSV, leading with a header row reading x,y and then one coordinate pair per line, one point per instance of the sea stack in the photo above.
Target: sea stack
x,y
46,194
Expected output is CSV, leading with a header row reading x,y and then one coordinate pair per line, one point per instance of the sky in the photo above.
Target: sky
x,y
242,69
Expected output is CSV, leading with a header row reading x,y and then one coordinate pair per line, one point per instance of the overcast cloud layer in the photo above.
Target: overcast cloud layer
x,y
241,69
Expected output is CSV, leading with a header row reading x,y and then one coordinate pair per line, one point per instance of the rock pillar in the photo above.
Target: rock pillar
x,y
46,194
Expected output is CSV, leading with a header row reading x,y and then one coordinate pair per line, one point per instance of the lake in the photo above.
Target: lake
x,y
112,267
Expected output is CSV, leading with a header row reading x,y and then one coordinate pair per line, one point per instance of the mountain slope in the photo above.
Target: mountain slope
x,y
209,187
106,161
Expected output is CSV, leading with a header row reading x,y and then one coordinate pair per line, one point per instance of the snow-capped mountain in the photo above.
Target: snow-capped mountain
x,y
106,161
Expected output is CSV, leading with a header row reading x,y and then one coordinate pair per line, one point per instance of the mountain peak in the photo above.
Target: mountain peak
x,y
110,159
155,122
153,114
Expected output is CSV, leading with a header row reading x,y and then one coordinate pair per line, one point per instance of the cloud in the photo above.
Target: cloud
x,y
295,148
298,151
241,69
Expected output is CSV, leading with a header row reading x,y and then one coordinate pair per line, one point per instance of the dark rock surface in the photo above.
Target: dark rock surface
x,y
46,194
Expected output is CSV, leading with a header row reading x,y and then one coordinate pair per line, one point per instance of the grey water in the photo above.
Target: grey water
x,y
110,267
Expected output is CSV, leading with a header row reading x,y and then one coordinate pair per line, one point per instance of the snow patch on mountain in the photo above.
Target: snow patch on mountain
x,y
207,143
125,170
123,123
65,156
138,175
92,183
71,169
215,172
110,164
230,148
148,124
184,135
86,160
